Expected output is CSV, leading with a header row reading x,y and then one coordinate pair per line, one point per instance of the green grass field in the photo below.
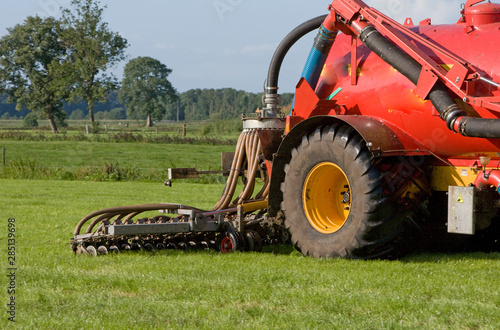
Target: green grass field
x,y
72,155
124,154
101,161
56,289
184,290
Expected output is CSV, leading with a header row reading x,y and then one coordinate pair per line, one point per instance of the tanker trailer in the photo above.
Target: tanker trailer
x,y
393,136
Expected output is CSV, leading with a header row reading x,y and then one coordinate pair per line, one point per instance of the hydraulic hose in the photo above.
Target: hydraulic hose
x,y
456,119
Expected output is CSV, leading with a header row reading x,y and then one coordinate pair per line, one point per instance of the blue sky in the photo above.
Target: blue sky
x,y
221,43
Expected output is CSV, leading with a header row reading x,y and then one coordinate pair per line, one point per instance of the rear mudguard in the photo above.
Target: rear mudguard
x,y
381,139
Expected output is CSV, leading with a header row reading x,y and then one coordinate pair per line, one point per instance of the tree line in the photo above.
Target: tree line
x,y
226,103
195,104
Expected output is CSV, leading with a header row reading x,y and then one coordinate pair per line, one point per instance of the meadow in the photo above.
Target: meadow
x,y
278,288
122,154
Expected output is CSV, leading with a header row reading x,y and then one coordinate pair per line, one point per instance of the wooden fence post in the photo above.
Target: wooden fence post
x,y
3,156
184,130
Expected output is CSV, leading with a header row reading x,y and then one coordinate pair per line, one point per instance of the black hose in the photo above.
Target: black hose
x,y
439,95
480,127
284,47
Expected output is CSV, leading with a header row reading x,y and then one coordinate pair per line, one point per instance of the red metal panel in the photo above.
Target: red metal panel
x,y
426,82
482,14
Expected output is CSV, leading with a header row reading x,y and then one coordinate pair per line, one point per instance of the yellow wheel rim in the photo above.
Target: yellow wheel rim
x,y
326,198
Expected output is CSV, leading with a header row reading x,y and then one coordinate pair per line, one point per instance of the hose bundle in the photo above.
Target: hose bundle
x,y
248,146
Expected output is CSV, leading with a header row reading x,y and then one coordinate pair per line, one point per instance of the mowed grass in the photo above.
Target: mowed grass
x,y
102,161
74,154
125,154
58,290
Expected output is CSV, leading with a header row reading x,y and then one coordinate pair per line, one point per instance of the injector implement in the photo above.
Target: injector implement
x,y
392,143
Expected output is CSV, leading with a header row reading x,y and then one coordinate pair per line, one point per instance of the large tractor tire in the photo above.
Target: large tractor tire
x,y
339,201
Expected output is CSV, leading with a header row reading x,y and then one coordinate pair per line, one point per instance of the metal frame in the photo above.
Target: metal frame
x,y
355,13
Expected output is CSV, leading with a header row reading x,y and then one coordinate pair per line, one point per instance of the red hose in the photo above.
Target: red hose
x,y
492,178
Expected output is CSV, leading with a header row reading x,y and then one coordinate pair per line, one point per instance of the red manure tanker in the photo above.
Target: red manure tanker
x,y
392,144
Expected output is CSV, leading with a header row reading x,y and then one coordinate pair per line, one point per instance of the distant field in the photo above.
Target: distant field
x,y
218,129
125,153
72,155
100,161
55,289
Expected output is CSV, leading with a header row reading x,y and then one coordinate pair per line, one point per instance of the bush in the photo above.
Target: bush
x,y
206,129
95,127
60,118
77,115
31,120
117,113
100,115
222,126
5,116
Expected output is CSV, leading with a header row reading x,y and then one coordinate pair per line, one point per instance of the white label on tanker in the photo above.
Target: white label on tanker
x,y
463,172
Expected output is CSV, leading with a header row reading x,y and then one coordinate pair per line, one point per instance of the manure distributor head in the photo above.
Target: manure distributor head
x,y
392,143
234,224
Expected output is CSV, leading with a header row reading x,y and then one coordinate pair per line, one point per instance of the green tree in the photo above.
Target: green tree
x,y
93,49
30,120
32,59
117,113
77,115
146,90
174,110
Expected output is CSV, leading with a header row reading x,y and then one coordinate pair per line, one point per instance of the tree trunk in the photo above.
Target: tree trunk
x,y
50,116
178,106
91,113
149,122
53,125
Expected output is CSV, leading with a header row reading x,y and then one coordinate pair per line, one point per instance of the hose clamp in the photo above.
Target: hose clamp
x,y
363,37
462,125
450,115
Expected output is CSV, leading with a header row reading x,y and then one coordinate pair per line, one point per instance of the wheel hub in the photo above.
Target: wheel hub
x,y
326,197
226,245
